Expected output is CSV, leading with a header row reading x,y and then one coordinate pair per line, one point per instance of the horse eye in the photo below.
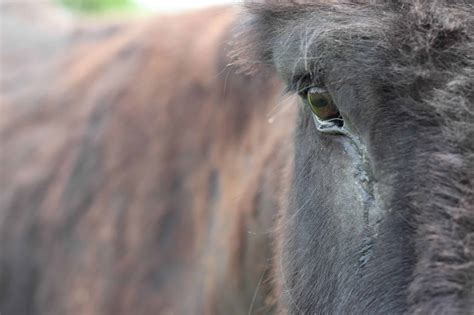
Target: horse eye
x,y
321,104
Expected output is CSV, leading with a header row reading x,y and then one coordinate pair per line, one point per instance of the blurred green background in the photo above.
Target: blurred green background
x,y
100,6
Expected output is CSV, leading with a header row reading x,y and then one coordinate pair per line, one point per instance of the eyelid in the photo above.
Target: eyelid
x,y
302,84
316,89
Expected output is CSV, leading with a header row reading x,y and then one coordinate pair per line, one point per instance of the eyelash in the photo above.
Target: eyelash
x,y
301,84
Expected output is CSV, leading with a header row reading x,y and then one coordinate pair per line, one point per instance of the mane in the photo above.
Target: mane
x,y
127,171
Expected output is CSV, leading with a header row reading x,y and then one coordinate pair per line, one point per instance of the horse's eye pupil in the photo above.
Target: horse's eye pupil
x,y
317,100
321,104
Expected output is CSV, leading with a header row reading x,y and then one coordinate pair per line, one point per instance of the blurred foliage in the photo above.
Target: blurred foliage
x,y
98,6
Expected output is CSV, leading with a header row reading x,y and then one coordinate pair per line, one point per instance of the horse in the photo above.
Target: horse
x,y
300,157
379,215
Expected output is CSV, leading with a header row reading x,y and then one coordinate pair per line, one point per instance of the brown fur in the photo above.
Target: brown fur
x,y
131,182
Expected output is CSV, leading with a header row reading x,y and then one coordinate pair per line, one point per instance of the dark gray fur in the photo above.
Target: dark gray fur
x,y
401,73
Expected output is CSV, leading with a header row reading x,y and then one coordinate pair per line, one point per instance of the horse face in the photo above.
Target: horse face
x,y
379,198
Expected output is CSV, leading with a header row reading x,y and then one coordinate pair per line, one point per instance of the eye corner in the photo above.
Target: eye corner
x,y
335,126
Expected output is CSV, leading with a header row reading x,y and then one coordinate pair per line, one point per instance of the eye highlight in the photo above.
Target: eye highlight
x,y
321,104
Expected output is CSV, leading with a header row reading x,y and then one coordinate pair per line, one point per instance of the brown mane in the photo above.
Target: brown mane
x,y
129,184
